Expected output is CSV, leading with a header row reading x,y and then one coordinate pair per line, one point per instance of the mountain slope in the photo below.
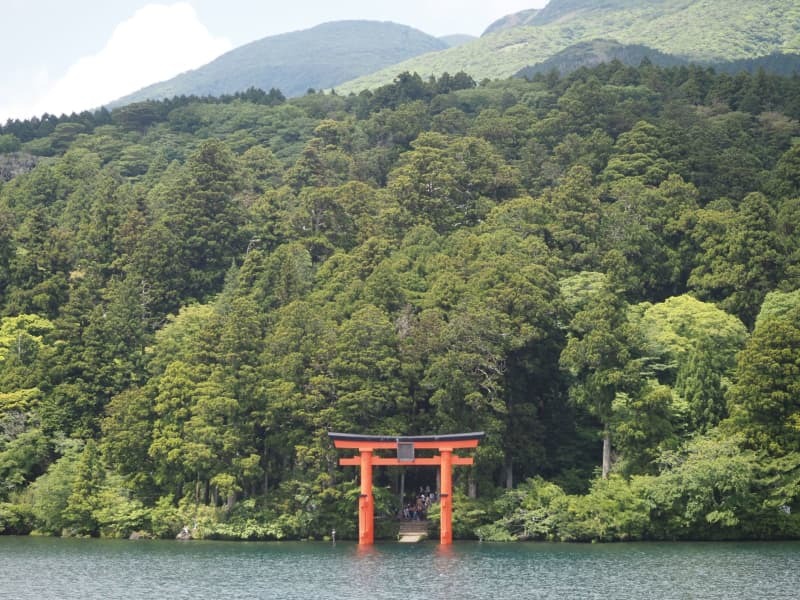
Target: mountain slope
x,y
320,57
524,17
590,54
698,30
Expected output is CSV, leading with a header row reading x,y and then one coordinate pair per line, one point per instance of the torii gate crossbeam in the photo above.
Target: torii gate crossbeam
x,y
405,447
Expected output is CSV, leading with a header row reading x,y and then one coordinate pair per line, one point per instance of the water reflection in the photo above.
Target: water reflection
x,y
445,550
126,570
365,551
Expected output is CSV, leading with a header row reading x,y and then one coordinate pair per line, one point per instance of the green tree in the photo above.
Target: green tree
x,y
787,180
137,116
788,229
207,218
173,408
643,234
365,376
21,337
50,493
637,154
698,343
764,399
320,165
24,453
295,385
575,219
601,357
127,429
451,183
261,169
82,501
741,258
706,489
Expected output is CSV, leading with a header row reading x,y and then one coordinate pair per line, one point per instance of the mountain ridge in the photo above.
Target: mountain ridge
x,y
523,17
319,57
592,53
354,55
700,31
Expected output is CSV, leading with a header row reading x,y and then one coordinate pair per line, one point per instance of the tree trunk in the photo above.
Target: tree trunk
x,y
266,466
333,463
509,473
402,488
606,452
472,487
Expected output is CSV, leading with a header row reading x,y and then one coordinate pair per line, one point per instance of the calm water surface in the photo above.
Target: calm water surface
x,y
109,569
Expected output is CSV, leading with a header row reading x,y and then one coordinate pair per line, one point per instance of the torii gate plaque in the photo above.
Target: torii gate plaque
x,y
405,446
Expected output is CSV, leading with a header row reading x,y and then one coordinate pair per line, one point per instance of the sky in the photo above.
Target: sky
x,y
61,56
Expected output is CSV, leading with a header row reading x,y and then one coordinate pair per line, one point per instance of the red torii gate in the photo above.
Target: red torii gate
x,y
405,447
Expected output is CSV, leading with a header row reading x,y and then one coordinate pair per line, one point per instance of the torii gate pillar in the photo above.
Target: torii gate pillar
x,y
405,447
366,502
446,497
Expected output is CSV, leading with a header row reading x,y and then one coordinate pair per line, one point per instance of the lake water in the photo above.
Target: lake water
x,y
44,568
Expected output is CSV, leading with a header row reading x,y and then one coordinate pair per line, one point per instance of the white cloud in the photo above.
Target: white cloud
x,y
156,43
20,90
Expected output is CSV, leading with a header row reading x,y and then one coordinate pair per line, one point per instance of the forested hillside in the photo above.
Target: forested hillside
x,y
701,31
319,58
524,17
599,270
595,52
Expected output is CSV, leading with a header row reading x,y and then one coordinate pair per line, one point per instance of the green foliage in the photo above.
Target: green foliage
x,y
15,519
601,356
296,511
116,512
451,183
23,454
82,501
701,31
742,256
8,143
764,399
21,337
707,489
469,517
193,292
699,343
642,426
166,520
613,510
531,511
49,495
637,155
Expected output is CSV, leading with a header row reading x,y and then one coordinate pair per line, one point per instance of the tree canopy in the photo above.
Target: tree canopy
x,y
599,270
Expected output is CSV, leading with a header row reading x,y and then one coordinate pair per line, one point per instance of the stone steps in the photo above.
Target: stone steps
x,y
412,531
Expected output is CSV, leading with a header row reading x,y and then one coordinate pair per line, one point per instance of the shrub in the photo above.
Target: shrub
x,y
15,519
611,511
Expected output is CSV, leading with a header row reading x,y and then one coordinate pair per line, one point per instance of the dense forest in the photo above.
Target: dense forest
x,y
600,270
700,31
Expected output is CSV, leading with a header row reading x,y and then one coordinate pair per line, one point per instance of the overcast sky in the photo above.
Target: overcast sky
x,y
70,55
